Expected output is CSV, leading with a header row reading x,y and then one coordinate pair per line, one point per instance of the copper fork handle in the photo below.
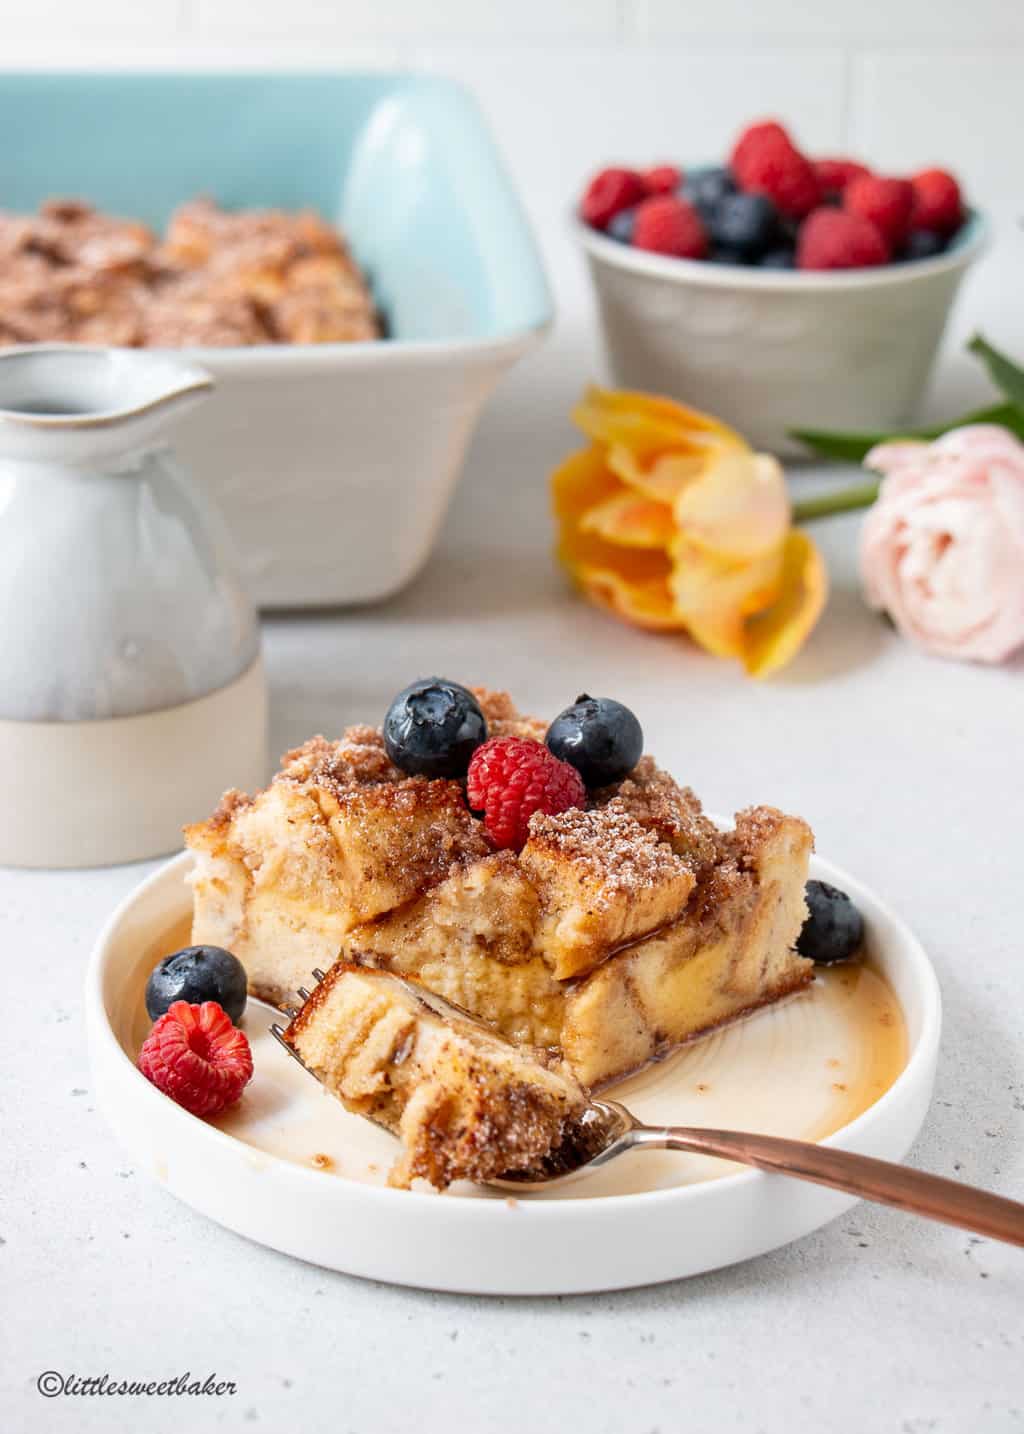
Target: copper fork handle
x,y
880,1180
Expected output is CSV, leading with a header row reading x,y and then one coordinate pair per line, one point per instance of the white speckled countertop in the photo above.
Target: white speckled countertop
x,y
910,771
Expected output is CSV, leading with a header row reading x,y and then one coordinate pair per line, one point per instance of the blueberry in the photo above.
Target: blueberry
x,y
747,223
197,974
782,258
923,244
834,928
599,737
621,227
433,728
706,188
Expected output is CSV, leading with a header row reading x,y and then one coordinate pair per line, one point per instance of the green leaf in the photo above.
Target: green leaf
x,y
1003,372
849,447
852,447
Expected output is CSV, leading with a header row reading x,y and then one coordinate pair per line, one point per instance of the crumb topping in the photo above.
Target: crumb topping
x,y
230,805
504,718
719,888
673,813
358,759
532,729
417,829
609,844
298,764
495,705
409,797
755,827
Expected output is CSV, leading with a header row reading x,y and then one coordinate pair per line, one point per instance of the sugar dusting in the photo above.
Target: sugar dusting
x,y
607,844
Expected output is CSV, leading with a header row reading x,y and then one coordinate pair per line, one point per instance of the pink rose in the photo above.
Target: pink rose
x,y
942,550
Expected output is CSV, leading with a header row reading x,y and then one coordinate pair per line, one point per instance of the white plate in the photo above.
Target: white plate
x,y
292,1170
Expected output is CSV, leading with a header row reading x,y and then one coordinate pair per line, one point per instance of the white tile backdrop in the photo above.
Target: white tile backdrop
x,y
568,84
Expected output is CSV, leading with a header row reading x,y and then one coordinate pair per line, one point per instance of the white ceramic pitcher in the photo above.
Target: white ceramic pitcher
x,y
131,687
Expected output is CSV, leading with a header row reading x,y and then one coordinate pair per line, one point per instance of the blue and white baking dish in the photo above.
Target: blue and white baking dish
x,y
333,463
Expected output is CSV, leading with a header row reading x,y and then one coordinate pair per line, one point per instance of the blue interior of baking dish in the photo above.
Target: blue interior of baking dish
x,y
403,162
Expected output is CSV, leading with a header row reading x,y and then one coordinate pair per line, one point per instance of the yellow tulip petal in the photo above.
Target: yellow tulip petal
x,y
776,635
646,605
579,550
665,476
647,424
715,596
630,519
581,482
632,400
631,582
670,521
641,434
738,507
607,404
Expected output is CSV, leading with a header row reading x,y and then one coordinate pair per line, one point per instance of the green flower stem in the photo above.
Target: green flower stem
x,y
861,495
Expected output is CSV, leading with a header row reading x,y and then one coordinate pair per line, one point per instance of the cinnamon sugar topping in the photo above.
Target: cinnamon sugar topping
x,y
504,718
230,805
673,813
358,759
531,729
608,844
495,705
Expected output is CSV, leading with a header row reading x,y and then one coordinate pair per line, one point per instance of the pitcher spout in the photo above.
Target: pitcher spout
x,y
63,399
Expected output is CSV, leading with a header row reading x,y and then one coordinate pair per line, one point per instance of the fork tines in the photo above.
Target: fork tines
x,y
278,1033
291,1012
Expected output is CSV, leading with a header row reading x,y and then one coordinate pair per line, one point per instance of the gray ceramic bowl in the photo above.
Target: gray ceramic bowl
x,y
769,350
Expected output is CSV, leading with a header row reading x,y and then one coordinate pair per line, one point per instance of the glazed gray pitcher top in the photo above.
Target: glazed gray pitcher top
x,y
119,589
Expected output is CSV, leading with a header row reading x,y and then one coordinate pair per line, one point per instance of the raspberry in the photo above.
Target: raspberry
x,y
756,137
833,239
510,778
668,225
888,203
662,179
608,193
766,161
835,174
938,204
197,1057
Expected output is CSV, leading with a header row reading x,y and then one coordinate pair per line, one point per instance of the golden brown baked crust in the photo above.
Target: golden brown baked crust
x,y
616,933
729,953
603,881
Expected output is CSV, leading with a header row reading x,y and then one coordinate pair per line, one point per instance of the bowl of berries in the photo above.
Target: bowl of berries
x,y
778,291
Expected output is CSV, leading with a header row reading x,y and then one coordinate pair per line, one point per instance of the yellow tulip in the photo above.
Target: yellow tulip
x,y
670,520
